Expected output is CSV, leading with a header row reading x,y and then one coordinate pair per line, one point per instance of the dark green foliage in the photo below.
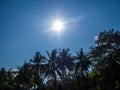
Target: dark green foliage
x,y
24,78
106,55
99,69
6,80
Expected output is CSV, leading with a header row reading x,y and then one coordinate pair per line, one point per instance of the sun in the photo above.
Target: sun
x,y
58,25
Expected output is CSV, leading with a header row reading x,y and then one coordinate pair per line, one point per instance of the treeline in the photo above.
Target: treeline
x,y
98,69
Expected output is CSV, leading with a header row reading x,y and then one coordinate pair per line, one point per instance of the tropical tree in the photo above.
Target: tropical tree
x,y
52,70
106,57
81,70
66,62
24,78
82,63
6,80
66,65
37,69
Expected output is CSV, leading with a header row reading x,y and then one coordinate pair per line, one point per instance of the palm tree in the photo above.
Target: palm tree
x,y
66,63
82,65
24,79
37,69
52,69
81,69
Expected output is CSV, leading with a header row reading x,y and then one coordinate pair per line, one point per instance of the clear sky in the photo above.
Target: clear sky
x,y
25,26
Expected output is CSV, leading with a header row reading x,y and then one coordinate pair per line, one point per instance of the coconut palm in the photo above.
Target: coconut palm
x,y
66,63
37,69
82,65
52,69
81,70
24,79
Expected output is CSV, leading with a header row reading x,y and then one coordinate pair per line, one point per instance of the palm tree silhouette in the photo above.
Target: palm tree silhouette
x,y
81,70
82,65
52,66
24,79
65,62
37,69
66,65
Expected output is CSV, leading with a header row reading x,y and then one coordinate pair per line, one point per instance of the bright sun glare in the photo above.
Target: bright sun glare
x,y
58,25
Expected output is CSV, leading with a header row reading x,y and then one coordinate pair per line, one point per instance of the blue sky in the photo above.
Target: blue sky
x,y
25,26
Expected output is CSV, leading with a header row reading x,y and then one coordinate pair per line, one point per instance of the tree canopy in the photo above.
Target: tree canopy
x,y
97,69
